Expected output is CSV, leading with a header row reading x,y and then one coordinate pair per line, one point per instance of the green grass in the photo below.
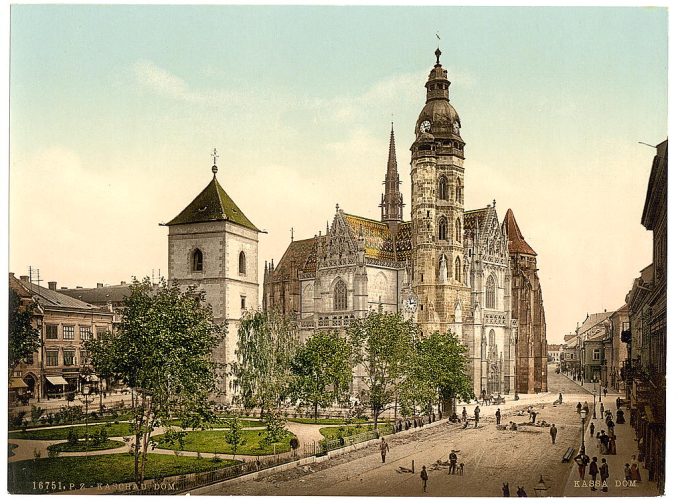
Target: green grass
x,y
350,430
98,470
221,424
211,441
122,417
114,430
81,446
326,421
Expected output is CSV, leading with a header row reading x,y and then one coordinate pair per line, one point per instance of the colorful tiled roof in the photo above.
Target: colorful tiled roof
x,y
476,218
213,204
379,243
296,257
516,242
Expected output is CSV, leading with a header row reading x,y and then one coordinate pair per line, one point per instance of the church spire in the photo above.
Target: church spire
x,y
392,206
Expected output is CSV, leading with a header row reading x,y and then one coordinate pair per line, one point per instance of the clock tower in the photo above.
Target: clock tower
x,y
438,268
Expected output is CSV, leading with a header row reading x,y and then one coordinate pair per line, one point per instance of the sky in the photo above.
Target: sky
x,y
115,111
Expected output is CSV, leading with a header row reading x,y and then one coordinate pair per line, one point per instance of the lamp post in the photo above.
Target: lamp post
x,y
86,393
594,412
583,431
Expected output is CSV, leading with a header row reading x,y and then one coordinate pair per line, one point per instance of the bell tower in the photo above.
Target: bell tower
x,y
437,183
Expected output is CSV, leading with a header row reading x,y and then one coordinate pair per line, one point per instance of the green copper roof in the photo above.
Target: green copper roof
x,y
213,204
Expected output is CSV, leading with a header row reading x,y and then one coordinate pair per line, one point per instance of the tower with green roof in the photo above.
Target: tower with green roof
x,y
214,246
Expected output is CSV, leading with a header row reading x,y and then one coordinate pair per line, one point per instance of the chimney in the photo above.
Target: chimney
x,y
52,285
99,285
79,286
24,278
123,282
64,288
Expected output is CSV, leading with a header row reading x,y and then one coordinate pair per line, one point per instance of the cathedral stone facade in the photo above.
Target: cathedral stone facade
x,y
448,268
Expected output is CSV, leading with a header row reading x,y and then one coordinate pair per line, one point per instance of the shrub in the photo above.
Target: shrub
x,y
70,396
36,454
16,419
36,413
72,437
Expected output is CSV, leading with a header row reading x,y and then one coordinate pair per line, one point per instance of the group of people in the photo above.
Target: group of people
x,y
466,420
520,491
594,471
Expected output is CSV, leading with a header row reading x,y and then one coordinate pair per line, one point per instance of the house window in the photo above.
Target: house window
x,y
52,357
242,263
51,331
84,358
459,191
85,333
69,357
69,332
243,302
340,296
197,260
596,354
443,188
443,231
457,269
490,293
458,230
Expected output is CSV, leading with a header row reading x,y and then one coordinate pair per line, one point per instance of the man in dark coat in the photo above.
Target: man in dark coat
x,y
553,433
453,460
592,429
498,416
604,443
477,415
604,474
384,448
423,478
578,408
593,471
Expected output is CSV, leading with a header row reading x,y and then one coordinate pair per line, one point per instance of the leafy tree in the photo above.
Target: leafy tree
x,y
163,352
265,348
234,435
275,428
382,346
24,339
322,371
437,372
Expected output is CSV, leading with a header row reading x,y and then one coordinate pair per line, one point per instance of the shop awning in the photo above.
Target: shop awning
x,y
17,383
56,380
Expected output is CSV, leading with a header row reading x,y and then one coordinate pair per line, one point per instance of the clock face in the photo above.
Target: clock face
x,y
411,303
425,126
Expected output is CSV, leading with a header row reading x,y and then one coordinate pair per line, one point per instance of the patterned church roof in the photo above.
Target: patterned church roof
x,y
477,218
301,255
378,240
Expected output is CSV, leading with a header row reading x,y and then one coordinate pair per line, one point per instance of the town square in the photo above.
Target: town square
x,y
338,251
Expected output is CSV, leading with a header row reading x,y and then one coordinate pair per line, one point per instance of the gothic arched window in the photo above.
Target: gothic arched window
x,y
197,260
340,296
443,231
490,293
458,230
443,188
459,191
242,263
457,269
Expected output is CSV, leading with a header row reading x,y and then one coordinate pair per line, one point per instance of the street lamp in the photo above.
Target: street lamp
x,y
583,431
594,412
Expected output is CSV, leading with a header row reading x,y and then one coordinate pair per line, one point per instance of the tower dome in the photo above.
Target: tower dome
x,y
438,116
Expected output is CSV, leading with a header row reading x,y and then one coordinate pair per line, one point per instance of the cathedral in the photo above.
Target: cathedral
x,y
447,268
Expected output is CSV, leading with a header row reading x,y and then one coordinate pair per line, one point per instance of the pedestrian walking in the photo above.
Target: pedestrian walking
x,y
592,429
384,448
423,477
521,492
604,474
635,471
601,410
604,391
582,460
627,474
604,443
464,415
453,460
593,471
612,445
578,408
498,416
553,433
477,410
506,490
560,398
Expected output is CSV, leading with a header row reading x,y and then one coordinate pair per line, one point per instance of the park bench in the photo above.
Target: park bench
x,y
568,454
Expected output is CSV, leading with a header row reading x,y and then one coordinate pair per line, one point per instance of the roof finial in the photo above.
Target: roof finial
x,y
437,53
214,156
337,207
494,203
291,234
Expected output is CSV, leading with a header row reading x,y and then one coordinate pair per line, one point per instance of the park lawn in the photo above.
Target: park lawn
x,y
220,424
114,430
212,441
81,446
326,421
99,470
122,417
345,431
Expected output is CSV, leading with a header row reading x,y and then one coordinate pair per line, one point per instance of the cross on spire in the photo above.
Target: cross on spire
x,y
214,156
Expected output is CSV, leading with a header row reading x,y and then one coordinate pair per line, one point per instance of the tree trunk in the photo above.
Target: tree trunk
x,y
146,439
316,411
375,418
137,428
